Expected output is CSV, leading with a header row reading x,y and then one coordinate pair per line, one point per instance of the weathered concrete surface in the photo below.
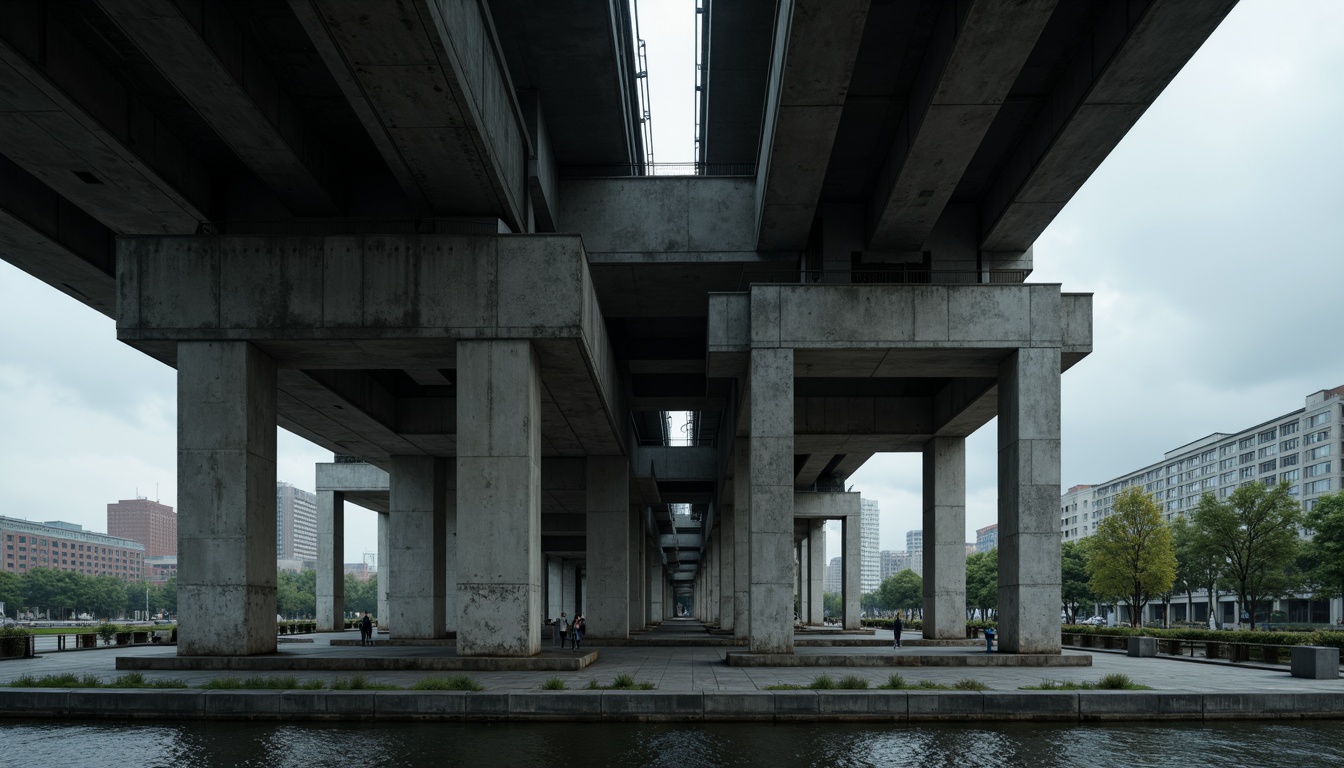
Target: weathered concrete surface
x,y
816,569
226,395
658,218
418,534
771,500
606,611
499,499
1315,663
330,561
728,569
1029,565
1143,647
944,535
568,661
852,563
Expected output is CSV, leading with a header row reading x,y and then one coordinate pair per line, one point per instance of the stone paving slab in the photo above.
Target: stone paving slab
x,y
546,662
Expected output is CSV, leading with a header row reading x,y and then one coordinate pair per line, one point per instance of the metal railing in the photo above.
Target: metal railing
x,y
884,277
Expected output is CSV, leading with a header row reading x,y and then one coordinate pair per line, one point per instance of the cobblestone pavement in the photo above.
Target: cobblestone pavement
x,y
674,669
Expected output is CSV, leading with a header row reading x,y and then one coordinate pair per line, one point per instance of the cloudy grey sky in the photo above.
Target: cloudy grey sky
x,y
1210,238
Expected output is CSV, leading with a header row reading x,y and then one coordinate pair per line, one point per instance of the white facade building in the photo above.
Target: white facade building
x,y
869,530
1301,447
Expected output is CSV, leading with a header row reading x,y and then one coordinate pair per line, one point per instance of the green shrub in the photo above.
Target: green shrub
x,y
64,680
137,680
107,632
1116,681
357,683
593,685
454,683
968,684
822,683
254,683
623,681
554,684
895,682
851,683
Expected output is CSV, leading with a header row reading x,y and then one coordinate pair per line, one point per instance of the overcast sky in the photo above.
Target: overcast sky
x,y
1211,238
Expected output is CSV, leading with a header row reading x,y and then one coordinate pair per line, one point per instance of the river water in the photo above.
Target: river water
x,y
617,745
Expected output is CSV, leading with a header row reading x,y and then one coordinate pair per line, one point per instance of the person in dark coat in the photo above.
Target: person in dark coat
x,y
366,630
897,627
576,632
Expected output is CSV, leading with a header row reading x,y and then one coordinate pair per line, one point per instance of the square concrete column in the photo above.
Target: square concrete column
x,y
635,613
384,574
607,610
944,538
771,477
451,616
1029,567
498,499
226,396
554,582
816,572
418,535
851,559
655,588
569,589
330,565
741,540
727,572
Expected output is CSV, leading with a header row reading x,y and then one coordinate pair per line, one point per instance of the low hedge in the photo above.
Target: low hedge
x,y
1256,637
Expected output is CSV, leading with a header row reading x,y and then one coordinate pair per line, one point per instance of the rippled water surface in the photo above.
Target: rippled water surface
x,y
1299,745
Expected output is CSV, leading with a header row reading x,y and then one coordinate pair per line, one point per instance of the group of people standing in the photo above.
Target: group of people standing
x,y
567,631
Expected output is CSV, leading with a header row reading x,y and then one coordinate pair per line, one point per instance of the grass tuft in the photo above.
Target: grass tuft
x,y
623,681
968,684
1112,682
852,683
137,680
64,680
454,683
822,683
359,683
895,682
254,683
553,684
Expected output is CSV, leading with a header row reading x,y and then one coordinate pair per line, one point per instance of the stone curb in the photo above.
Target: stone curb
x,y
830,705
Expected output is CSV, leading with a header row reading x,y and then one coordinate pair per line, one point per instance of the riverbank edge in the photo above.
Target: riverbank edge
x,y
579,706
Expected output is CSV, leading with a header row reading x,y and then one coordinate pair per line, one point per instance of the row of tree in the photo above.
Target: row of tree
x,y
1257,544
59,594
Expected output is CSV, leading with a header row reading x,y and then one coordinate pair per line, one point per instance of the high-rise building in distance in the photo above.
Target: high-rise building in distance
x,y
148,522
295,523
870,576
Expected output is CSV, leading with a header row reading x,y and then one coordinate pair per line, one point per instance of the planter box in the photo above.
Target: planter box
x,y
88,640
1213,650
13,647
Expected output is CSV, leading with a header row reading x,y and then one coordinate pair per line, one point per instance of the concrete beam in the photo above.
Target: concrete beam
x,y
70,123
813,505
661,218
209,58
436,96
974,55
816,44
1130,55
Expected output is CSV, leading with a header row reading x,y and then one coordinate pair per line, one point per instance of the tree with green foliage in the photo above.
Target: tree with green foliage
x,y
901,592
1198,566
982,584
1325,551
1254,534
1075,591
1131,553
361,595
296,593
11,592
831,604
869,603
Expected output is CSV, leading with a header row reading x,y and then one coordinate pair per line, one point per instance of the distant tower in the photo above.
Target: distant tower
x,y
869,528
295,523
148,522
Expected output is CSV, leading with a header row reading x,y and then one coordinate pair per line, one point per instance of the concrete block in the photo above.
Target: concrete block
x,y
939,705
1319,704
1315,663
1244,705
748,705
1046,317
844,703
486,706
1030,705
1139,705
241,704
321,703
796,703
36,701
543,276
637,705
133,702
437,705
999,315
572,705
1143,647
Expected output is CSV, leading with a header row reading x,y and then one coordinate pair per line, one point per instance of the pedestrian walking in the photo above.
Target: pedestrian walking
x,y
561,630
366,630
897,627
576,632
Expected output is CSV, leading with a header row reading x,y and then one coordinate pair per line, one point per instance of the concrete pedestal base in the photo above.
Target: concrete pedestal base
x,y
1315,663
1143,647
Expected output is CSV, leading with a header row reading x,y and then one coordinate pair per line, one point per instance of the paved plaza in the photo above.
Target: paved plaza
x,y
702,669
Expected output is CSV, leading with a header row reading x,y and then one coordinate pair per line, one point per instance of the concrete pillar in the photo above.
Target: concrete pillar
x,y
852,564
799,580
655,587
417,500
554,584
607,609
451,616
816,571
1029,567
330,565
569,589
226,396
741,540
944,538
498,498
384,574
771,462
635,546
727,553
